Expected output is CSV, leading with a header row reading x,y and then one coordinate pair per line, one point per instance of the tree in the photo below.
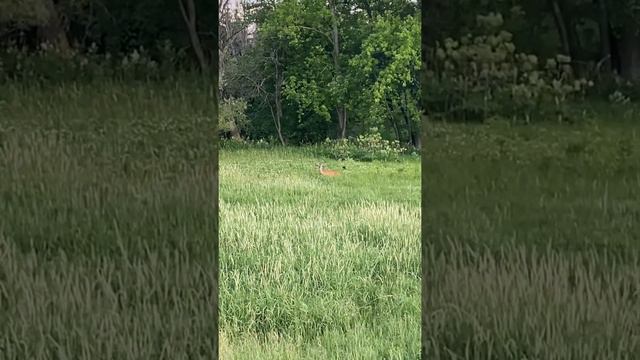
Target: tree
x,y
188,12
389,64
233,30
296,68
625,24
341,110
253,70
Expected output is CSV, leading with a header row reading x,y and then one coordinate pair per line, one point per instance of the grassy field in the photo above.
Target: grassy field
x,y
315,267
532,248
533,241
105,226
106,232
105,238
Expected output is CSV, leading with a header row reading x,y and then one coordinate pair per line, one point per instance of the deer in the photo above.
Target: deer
x,y
327,172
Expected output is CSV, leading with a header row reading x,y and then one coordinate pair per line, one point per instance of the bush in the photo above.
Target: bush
x,y
47,64
367,147
239,144
483,76
233,118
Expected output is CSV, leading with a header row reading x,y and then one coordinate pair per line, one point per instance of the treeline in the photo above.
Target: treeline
x,y
301,71
293,71
67,39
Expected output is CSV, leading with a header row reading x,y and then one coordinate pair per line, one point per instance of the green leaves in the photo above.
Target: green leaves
x,y
374,64
388,64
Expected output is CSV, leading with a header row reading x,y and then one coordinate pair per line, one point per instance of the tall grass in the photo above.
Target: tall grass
x,y
318,268
106,229
533,250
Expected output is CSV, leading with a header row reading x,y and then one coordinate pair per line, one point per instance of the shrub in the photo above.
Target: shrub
x,y
619,98
233,118
483,76
366,147
238,144
47,64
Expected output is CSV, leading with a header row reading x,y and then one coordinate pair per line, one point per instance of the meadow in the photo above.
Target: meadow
x,y
106,237
314,267
533,241
106,230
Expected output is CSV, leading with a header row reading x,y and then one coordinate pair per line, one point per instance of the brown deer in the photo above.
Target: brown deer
x,y
327,172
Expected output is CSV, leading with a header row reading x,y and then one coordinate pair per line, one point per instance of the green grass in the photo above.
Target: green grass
x,y
105,238
532,248
106,233
533,241
106,230
573,187
315,267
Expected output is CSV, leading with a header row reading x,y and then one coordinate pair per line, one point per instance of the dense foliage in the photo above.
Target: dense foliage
x,y
299,71
291,71
316,69
528,60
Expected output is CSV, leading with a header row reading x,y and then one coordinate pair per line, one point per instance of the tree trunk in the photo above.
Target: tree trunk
x,y
575,47
341,110
278,115
561,27
415,138
394,124
53,31
392,119
615,51
629,46
605,36
427,45
566,29
189,16
342,122
279,81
